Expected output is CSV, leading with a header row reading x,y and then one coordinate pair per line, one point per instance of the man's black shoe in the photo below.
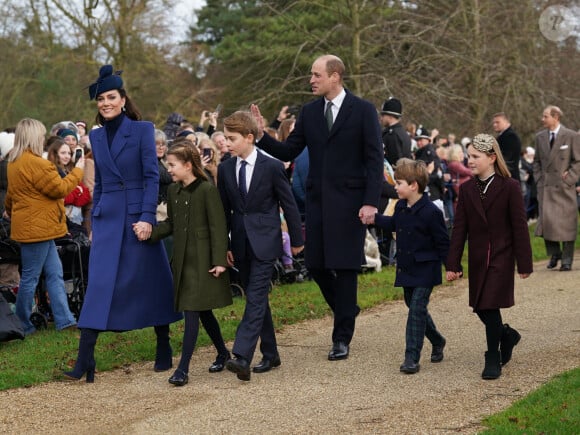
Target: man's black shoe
x,y
553,262
240,367
266,365
339,351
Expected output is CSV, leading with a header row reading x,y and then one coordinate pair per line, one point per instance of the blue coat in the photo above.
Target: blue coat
x,y
422,242
130,284
345,173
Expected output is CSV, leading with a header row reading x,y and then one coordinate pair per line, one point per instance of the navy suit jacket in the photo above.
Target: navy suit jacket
x,y
257,219
345,173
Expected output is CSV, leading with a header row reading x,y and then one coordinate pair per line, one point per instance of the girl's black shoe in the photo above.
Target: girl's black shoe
x,y
179,378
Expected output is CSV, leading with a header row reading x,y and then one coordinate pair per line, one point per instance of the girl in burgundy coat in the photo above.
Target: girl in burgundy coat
x,y
491,214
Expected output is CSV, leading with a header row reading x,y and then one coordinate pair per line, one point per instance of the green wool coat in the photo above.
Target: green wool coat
x,y
195,217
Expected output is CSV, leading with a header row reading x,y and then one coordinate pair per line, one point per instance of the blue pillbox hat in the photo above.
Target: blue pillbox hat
x,y
107,81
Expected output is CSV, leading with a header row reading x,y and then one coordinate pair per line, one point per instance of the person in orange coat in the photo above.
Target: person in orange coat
x,y
34,204
491,213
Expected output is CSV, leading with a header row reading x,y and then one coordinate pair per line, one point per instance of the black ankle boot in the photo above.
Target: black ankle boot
x,y
509,338
492,369
85,362
163,351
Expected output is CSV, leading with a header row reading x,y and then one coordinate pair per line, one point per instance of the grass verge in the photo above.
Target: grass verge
x,y
554,408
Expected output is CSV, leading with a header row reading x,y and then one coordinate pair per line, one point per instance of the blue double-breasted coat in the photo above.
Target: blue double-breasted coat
x,y
130,284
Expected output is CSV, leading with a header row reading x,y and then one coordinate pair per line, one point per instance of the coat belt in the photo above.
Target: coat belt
x,y
115,186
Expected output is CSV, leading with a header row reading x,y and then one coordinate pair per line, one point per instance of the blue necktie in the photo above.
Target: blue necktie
x,y
242,179
552,137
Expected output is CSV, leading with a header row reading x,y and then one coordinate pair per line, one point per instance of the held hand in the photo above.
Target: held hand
x,y
297,249
5,216
80,163
367,214
217,270
564,175
452,276
142,230
259,120
230,258
524,275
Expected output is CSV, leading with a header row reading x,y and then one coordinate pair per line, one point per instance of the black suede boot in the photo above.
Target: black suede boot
x,y
163,352
85,362
492,369
509,338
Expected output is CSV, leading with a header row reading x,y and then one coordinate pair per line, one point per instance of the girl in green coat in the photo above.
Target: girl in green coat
x,y
196,219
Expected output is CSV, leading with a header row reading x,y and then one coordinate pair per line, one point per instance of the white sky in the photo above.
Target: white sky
x,y
184,9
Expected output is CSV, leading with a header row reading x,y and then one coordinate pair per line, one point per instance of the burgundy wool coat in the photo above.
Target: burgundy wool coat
x,y
497,234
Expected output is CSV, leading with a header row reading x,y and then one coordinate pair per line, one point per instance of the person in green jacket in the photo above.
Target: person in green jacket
x,y
196,219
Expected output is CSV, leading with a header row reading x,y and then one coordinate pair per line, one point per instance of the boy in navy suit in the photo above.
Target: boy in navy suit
x,y
253,187
422,246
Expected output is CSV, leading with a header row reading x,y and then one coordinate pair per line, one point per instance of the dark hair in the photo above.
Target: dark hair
x,y
185,151
131,110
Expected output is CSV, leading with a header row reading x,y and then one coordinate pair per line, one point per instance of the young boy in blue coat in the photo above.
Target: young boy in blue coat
x,y
422,246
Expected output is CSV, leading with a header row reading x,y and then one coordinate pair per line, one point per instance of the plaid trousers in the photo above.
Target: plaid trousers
x,y
419,322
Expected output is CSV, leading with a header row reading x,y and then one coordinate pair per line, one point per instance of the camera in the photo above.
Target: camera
x,y
207,152
293,110
78,154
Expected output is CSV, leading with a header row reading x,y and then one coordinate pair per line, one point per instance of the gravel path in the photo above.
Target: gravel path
x,y
308,394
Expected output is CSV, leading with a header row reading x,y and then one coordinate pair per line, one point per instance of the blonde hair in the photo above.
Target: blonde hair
x,y
456,153
487,144
28,135
208,142
412,170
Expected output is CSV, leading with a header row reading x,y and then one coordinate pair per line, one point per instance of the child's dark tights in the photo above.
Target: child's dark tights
x,y
493,327
191,332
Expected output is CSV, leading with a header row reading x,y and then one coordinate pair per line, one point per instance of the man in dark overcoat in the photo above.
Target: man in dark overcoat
x,y
509,143
343,187
396,140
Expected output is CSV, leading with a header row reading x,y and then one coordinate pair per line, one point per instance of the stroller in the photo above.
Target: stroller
x,y
74,257
10,256
296,273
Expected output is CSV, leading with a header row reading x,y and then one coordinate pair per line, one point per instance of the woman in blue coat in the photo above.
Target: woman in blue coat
x,y
130,284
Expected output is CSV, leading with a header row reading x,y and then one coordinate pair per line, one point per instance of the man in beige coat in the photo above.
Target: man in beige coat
x,y
556,171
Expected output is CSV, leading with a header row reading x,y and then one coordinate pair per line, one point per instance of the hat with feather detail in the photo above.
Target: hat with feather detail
x,y
107,81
